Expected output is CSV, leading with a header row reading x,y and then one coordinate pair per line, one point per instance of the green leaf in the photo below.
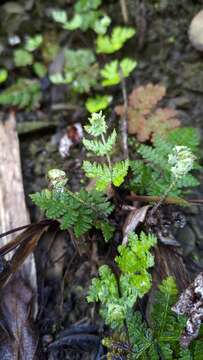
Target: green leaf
x,y
74,23
127,65
57,78
59,16
119,172
3,75
98,103
111,74
40,69
110,44
22,58
33,43
86,5
80,70
101,25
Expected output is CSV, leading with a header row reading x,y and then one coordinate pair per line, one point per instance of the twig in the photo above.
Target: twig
x,y
167,200
124,11
123,123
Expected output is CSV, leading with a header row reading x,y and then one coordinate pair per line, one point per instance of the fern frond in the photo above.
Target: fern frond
x,y
24,94
119,172
98,147
140,336
167,327
79,211
153,175
133,262
97,124
185,136
100,172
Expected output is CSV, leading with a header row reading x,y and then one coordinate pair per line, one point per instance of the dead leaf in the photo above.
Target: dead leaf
x,y
17,336
144,119
25,244
133,219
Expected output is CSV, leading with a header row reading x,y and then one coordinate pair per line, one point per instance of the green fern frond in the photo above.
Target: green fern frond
x,y
80,211
98,147
140,336
100,172
119,172
24,94
133,261
167,327
97,125
104,174
152,175
185,136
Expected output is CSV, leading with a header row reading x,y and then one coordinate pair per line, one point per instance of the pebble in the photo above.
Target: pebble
x,y
196,31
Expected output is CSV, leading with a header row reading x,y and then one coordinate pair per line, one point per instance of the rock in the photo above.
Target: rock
x,y
196,31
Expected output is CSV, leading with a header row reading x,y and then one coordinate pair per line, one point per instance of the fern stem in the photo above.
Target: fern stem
x,y
86,204
107,155
155,208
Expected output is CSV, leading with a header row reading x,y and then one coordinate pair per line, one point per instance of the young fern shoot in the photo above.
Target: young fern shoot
x,y
181,161
107,173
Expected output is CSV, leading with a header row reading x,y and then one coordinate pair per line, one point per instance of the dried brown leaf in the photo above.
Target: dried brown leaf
x,y
144,119
18,338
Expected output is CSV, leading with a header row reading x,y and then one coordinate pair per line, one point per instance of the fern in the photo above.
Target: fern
x,y
80,211
110,44
104,174
152,175
161,339
134,260
24,94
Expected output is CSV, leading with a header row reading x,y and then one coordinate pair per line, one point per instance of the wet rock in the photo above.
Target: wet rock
x,y
196,31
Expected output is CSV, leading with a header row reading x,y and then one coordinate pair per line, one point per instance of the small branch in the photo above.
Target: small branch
x,y
167,200
123,123
124,11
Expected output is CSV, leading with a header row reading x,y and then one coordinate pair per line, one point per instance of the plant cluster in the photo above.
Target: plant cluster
x,y
79,211
158,339
118,296
119,287
81,70
152,173
86,75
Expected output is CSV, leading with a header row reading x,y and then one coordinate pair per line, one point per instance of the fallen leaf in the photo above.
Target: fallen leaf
x,y
144,118
132,220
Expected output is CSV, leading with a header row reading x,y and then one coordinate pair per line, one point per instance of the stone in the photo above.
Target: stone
x,y
196,31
